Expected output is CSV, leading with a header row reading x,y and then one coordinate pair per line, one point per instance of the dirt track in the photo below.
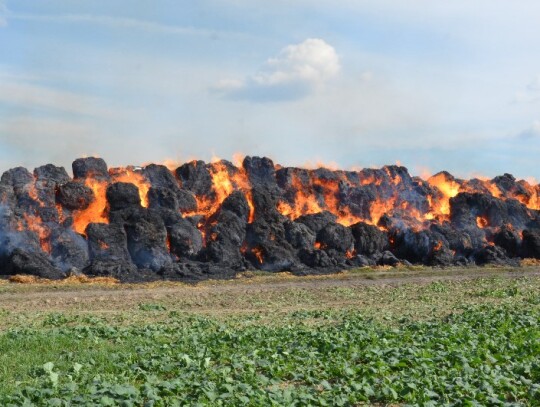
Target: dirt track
x,y
230,295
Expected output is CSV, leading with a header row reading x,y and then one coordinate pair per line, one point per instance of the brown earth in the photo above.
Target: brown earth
x,y
248,293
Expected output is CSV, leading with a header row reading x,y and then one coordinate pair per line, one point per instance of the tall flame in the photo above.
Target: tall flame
x,y
96,211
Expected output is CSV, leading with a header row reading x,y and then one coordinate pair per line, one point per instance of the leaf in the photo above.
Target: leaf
x,y
48,367
53,377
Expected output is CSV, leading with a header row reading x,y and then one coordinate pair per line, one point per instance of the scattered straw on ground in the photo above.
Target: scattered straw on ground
x,y
530,262
71,280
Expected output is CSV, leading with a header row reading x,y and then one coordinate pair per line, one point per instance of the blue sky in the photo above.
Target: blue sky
x,y
430,84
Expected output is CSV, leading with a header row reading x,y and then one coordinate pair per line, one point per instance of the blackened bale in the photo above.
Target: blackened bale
x,y
7,195
441,257
107,242
267,247
265,202
387,258
17,177
186,201
74,195
299,235
33,263
273,257
492,255
10,240
509,240
317,259
147,240
413,246
466,207
261,231
195,177
21,180
368,239
170,217
47,179
123,195
48,214
161,197
90,167
49,172
318,221
69,250
260,171
337,237
237,203
531,243
224,239
123,271
360,199
185,239
461,241
160,176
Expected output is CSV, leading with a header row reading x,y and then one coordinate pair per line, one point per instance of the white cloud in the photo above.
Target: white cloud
x,y
294,73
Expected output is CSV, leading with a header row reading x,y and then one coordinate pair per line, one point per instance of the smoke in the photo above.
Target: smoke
x,y
12,239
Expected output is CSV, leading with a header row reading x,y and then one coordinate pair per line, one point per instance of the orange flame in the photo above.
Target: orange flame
x,y
96,211
449,188
130,176
224,183
34,224
257,251
309,193
318,195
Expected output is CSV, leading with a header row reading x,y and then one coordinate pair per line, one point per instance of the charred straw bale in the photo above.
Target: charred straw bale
x,y
211,220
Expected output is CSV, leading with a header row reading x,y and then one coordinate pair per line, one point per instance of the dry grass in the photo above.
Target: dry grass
x,y
530,262
23,279
71,280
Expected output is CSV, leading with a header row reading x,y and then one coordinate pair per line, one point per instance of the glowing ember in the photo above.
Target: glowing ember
x,y
481,222
168,242
258,254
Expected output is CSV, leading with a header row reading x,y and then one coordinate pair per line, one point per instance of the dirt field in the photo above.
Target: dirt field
x,y
256,292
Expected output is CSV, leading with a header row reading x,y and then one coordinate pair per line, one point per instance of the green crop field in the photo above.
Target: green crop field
x,y
412,337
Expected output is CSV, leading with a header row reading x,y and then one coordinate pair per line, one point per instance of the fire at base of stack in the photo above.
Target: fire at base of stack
x,y
212,220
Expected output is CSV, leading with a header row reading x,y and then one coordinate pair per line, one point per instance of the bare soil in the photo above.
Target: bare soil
x,y
249,292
